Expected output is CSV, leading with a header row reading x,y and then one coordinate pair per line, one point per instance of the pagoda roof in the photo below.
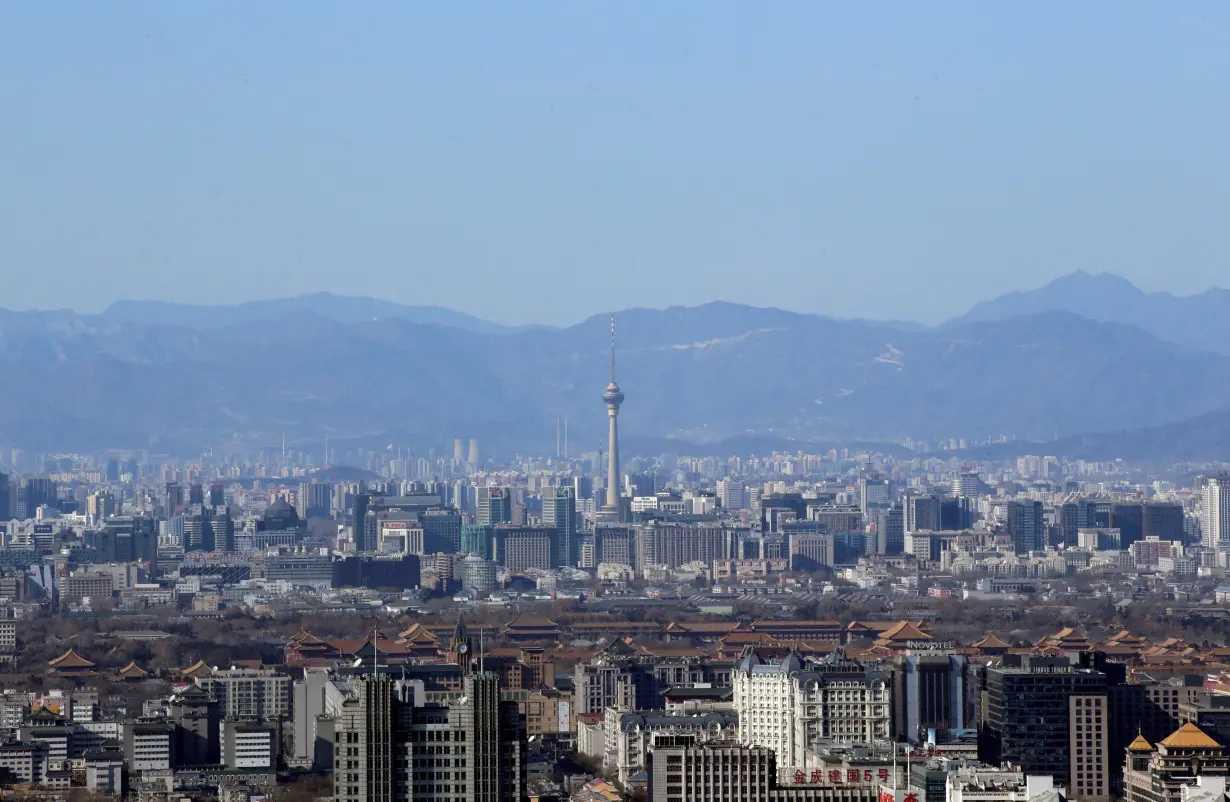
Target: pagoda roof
x,y
904,630
199,667
1189,736
417,633
132,670
70,659
1140,745
991,641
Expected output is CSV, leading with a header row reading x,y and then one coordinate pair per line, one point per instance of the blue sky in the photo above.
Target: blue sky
x,y
546,161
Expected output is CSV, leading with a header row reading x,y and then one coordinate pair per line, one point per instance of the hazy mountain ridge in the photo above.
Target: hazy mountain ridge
x,y
702,374
1199,321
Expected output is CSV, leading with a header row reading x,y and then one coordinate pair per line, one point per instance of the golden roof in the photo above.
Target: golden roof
x,y
1189,736
1140,745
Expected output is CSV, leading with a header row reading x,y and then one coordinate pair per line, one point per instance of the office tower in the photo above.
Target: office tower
x,y
967,484
1163,521
384,739
731,493
1215,509
1026,711
441,530
112,472
559,512
494,506
1129,520
810,551
955,514
208,530
612,398
6,498
473,457
1089,757
477,574
874,492
476,539
520,548
675,544
196,494
129,538
1026,525
923,512
459,453
363,743
314,500
217,495
928,693
196,717
174,496
359,528
890,529
34,492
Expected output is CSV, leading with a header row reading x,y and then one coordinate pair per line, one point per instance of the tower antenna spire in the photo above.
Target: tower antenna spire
x,y
612,347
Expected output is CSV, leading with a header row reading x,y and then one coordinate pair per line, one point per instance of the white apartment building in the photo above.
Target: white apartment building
x,y
790,705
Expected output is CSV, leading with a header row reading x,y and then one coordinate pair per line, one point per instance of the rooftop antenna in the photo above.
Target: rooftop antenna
x,y
565,437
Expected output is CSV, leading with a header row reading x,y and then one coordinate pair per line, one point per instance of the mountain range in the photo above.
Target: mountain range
x,y
1085,354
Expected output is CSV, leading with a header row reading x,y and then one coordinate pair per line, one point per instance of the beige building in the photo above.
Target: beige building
x,y
1088,755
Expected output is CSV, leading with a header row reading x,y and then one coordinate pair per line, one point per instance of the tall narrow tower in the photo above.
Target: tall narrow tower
x,y
612,398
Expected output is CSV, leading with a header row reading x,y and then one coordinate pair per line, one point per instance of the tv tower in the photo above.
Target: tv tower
x,y
612,398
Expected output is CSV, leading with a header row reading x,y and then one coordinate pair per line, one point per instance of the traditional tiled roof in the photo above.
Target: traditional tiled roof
x,y
417,633
991,641
904,630
1189,736
198,667
132,671
69,659
1140,745
531,621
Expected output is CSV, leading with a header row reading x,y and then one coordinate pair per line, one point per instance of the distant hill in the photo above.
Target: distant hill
x,y
1199,321
341,369
1205,438
343,309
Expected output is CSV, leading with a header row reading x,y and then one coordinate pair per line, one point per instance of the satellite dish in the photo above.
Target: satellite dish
x,y
213,668
357,663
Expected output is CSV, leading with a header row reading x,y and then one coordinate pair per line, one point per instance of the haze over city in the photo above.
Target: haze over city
x,y
614,402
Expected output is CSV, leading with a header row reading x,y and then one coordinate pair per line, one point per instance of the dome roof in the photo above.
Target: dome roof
x,y
280,515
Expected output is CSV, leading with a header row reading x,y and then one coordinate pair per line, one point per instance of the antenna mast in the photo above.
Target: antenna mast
x,y
612,348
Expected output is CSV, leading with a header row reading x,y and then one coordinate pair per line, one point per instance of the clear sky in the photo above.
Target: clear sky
x,y
540,162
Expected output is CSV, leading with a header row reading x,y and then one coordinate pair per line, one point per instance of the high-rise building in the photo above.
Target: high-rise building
x,y
612,397
473,457
874,492
520,548
389,748
732,494
459,453
6,498
1026,525
559,512
1026,711
786,706
494,506
923,512
1163,521
314,500
1215,512
967,484
34,492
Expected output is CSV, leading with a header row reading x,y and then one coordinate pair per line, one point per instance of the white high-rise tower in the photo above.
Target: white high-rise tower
x,y
612,398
